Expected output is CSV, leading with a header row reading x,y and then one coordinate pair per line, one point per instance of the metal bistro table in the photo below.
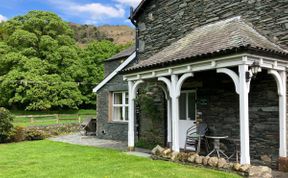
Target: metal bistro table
x,y
217,145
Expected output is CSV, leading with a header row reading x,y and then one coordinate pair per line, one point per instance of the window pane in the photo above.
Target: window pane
x,y
117,98
191,106
117,114
126,98
126,113
182,107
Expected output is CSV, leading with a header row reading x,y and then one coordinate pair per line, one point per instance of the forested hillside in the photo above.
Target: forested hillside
x,y
42,66
121,35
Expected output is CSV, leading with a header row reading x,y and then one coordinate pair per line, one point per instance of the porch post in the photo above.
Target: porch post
x,y
132,91
281,80
174,87
244,115
175,114
131,114
169,131
283,117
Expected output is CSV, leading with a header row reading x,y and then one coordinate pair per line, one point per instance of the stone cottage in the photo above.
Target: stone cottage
x,y
226,59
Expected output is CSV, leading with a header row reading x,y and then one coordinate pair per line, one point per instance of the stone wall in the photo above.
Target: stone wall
x,y
221,113
164,21
107,129
110,66
152,126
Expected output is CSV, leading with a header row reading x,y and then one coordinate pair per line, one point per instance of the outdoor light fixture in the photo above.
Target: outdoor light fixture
x,y
254,69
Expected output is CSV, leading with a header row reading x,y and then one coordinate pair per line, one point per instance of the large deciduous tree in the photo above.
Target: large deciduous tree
x,y
39,63
43,68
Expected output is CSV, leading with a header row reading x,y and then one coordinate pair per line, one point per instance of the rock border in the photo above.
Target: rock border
x,y
192,158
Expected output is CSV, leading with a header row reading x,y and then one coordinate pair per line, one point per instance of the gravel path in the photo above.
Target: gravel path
x,y
78,139
91,141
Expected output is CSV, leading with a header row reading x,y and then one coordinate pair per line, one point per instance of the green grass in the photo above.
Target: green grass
x,y
52,159
25,121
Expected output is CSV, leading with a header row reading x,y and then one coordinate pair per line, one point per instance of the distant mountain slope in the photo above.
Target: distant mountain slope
x,y
118,34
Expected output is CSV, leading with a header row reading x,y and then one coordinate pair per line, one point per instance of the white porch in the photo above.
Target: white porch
x,y
174,77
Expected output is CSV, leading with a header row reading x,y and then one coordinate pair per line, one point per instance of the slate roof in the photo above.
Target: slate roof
x,y
233,34
139,8
125,53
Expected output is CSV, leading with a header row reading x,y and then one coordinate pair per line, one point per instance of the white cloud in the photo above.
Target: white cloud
x,y
2,18
98,11
133,3
91,12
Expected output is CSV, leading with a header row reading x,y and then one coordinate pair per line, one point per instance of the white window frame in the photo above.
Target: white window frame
x,y
124,106
187,103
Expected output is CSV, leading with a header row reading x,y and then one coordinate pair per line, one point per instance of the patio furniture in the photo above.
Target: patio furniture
x,y
195,135
88,127
236,153
191,138
217,145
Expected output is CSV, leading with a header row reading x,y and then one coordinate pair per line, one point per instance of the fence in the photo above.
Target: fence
x,y
57,117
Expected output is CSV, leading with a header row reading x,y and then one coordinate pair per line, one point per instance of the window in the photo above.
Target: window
x,y
187,105
120,107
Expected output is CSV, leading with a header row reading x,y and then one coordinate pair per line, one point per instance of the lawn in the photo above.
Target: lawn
x,y
53,159
40,121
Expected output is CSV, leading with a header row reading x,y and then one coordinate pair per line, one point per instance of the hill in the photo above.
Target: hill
x,y
118,34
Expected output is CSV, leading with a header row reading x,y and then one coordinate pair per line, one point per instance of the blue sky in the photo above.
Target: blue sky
x,y
96,12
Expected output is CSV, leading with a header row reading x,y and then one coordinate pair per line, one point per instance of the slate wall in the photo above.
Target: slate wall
x,y
105,128
164,21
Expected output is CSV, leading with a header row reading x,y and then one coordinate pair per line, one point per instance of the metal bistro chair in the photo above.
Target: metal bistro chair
x,y
194,137
88,127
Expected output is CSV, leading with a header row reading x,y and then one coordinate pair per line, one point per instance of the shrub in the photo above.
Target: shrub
x,y
6,125
35,134
17,134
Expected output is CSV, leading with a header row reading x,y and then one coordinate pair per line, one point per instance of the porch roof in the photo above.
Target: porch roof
x,y
228,36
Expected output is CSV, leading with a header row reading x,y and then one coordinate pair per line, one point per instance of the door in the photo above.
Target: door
x,y
187,114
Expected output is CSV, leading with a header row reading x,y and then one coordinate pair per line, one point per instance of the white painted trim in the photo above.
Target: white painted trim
x,y
132,92
114,73
244,115
279,81
231,74
213,63
227,61
280,78
174,87
181,81
122,106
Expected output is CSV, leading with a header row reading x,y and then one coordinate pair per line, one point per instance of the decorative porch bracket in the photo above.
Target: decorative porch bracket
x,y
280,78
174,87
242,88
132,90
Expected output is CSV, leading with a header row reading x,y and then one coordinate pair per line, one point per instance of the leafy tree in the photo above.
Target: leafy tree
x,y
42,67
93,56
39,63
